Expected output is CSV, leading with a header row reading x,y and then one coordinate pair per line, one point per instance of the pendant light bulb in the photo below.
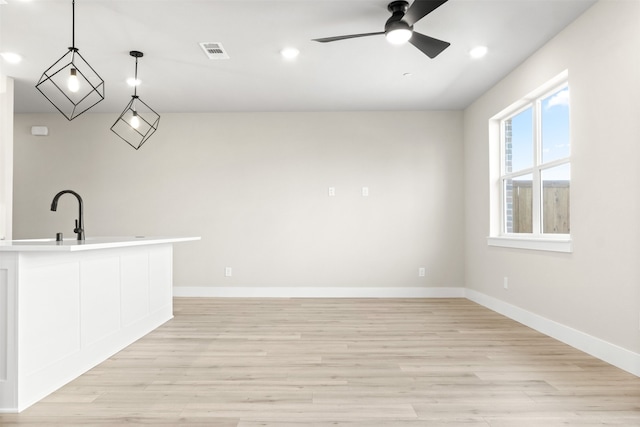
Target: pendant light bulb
x,y
73,83
135,120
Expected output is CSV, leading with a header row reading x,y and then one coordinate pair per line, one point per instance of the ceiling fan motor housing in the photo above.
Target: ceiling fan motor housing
x,y
395,22
397,25
398,6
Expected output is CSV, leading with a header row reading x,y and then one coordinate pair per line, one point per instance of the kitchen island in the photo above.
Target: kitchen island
x,y
67,306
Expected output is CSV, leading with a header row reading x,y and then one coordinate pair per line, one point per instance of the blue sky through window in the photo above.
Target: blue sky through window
x,y
555,126
554,133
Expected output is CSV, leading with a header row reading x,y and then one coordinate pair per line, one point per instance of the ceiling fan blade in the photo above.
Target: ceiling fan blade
x,y
428,45
421,8
352,36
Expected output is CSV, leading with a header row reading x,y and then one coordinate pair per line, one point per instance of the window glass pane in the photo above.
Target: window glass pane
x,y
518,141
555,126
556,184
518,204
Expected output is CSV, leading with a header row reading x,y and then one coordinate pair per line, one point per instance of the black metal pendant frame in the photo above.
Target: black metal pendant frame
x,y
52,85
53,82
147,118
149,121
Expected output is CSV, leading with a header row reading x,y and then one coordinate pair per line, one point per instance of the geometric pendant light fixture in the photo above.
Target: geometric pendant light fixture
x,y
71,84
138,121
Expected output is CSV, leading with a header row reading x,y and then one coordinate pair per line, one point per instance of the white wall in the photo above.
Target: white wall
x,y
254,186
596,289
6,156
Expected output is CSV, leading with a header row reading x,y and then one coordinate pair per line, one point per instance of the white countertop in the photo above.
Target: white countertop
x,y
90,243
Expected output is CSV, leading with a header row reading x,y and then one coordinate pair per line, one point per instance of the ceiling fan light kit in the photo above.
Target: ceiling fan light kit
x,y
71,84
138,121
398,32
399,27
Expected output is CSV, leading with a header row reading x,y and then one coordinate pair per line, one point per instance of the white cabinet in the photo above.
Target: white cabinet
x,y
63,312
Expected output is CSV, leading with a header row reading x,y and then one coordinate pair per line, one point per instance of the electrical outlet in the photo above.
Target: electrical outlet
x,y
332,191
422,272
506,283
228,272
365,191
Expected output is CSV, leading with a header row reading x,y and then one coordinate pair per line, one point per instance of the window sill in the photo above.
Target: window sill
x,y
553,244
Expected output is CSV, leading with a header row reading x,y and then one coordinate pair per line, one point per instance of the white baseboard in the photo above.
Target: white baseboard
x,y
603,350
317,292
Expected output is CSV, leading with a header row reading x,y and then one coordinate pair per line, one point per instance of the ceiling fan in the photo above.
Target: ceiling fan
x,y
399,27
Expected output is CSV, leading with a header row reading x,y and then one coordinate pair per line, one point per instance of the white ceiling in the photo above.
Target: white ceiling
x,y
357,74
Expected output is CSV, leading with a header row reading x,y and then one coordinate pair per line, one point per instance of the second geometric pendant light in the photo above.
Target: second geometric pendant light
x,y
138,121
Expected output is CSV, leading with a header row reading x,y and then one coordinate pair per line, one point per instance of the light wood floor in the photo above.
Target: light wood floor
x,y
348,362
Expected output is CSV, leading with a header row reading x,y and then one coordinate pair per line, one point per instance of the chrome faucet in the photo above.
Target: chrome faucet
x,y
79,230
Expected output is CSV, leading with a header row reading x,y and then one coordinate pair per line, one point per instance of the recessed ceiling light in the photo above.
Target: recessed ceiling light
x,y
11,58
289,53
478,51
133,82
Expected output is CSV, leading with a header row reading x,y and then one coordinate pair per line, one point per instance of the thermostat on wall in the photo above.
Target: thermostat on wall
x,y
39,130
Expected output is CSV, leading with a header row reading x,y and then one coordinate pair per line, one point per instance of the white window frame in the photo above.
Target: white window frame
x,y
537,240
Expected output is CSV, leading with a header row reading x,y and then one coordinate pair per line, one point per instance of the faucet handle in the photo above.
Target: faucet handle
x,y
75,230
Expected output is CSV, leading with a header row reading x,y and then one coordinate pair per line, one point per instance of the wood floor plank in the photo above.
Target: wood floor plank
x,y
348,362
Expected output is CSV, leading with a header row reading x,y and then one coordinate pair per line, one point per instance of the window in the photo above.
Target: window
x,y
534,180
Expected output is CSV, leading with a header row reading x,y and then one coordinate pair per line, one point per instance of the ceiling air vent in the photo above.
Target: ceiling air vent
x,y
214,50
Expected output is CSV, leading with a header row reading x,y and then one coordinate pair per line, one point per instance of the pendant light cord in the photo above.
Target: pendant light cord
x,y
73,24
135,87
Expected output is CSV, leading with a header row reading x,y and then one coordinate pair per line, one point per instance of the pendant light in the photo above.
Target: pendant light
x,y
138,121
71,84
